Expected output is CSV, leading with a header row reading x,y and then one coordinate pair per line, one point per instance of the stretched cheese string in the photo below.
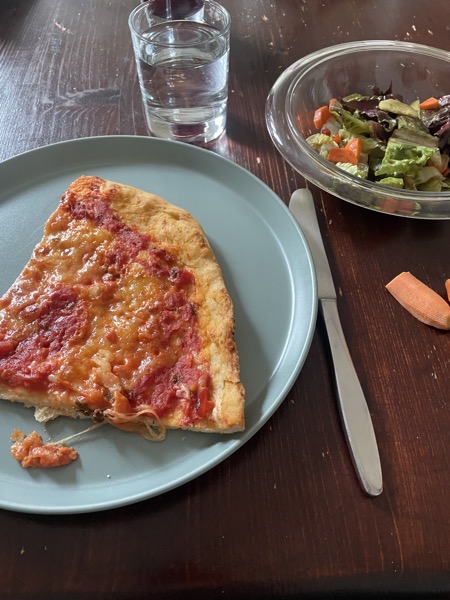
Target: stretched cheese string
x,y
156,432
74,435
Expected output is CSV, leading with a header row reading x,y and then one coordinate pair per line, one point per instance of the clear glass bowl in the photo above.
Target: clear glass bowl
x,y
415,71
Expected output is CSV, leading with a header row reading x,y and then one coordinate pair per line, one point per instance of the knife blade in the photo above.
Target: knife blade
x,y
353,409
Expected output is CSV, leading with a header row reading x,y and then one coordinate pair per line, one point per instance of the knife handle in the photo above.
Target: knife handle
x,y
353,408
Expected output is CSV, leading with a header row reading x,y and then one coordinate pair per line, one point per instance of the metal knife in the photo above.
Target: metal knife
x,y
353,408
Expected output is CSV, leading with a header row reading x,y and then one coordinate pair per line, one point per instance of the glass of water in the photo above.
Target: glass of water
x,y
182,62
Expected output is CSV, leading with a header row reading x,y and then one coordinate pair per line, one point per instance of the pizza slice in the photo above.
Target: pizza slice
x,y
122,316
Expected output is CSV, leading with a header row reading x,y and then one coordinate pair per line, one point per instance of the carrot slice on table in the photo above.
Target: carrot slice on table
x,y
321,116
343,155
429,104
420,300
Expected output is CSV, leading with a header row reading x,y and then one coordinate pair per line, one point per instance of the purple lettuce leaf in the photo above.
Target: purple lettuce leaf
x,y
444,138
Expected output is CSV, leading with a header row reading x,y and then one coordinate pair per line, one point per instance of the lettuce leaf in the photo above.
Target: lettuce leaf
x,y
348,120
434,185
413,130
396,182
427,174
359,170
321,143
404,158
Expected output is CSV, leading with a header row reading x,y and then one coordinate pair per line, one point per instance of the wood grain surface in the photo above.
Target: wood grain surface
x,y
284,517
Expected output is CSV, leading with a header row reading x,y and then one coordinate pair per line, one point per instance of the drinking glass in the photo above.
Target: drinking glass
x,y
182,55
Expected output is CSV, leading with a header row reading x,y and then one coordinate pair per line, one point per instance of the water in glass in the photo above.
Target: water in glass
x,y
183,73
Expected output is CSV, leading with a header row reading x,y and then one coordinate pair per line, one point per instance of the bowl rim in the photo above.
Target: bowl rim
x,y
290,78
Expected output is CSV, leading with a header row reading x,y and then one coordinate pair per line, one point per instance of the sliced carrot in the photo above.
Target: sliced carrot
x,y
330,103
429,104
321,116
343,155
336,138
355,146
447,287
420,300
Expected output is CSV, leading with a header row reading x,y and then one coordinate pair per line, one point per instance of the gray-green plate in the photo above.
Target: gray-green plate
x,y
267,268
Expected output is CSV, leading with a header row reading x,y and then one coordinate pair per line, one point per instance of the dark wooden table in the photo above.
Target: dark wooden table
x,y
284,517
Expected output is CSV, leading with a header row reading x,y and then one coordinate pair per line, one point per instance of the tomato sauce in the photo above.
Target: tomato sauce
x,y
49,324
31,452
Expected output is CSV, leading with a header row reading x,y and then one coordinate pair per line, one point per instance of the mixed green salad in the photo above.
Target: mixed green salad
x,y
385,140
